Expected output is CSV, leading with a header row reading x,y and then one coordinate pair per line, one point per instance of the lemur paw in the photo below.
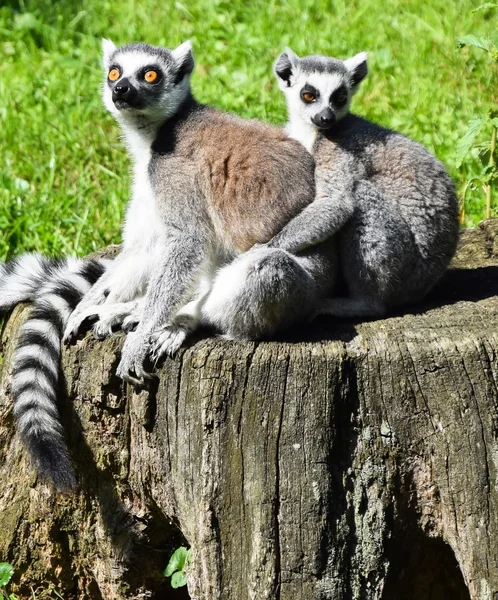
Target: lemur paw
x,y
103,329
167,341
131,367
75,323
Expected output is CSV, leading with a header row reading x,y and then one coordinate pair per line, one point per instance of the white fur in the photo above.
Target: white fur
x,y
36,419
60,305
108,48
302,131
79,282
354,61
45,328
182,51
41,354
19,285
37,378
229,281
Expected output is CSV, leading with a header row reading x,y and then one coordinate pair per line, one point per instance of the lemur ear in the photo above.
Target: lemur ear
x,y
108,48
358,68
286,65
184,60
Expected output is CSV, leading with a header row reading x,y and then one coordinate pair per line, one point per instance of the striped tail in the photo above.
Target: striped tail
x,y
21,278
36,369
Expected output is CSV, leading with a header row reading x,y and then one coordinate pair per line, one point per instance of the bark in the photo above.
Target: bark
x,y
347,461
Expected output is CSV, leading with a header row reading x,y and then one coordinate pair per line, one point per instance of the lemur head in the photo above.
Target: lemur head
x,y
319,89
143,81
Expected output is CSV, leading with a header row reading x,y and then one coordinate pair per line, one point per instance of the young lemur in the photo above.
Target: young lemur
x,y
391,203
207,187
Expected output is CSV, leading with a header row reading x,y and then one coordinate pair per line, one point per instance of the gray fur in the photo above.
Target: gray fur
x,y
390,202
208,186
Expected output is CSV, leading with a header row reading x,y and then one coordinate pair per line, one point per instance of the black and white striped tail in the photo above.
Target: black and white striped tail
x,y
22,278
36,369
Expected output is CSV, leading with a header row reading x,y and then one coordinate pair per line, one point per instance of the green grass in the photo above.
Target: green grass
x,y
64,174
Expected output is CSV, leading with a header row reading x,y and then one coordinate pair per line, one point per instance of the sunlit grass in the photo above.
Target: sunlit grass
x,y
64,175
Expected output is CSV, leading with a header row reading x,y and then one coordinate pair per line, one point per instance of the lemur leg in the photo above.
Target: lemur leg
x,y
174,279
259,293
378,255
125,279
168,339
266,290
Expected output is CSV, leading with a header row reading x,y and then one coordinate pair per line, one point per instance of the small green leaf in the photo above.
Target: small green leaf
x,y
177,561
6,572
178,579
467,141
478,42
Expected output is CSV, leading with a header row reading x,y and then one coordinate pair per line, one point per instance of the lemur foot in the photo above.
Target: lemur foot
x,y
131,367
167,341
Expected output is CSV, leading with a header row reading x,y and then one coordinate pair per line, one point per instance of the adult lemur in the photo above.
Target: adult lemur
x,y
390,201
207,187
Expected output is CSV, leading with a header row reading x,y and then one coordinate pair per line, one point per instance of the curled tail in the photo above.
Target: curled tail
x,y
21,278
36,368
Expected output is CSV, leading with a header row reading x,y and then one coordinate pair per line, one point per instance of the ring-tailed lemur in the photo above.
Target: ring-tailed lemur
x,y
391,202
207,187
55,287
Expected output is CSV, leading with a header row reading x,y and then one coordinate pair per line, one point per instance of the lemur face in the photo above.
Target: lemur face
x,y
146,80
319,89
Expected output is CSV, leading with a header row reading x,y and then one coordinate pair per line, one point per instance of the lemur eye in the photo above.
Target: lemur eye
x,y
308,97
340,96
151,76
114,74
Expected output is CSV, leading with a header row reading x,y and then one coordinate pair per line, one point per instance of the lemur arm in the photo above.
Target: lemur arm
x,y
124,280
173,279
333,206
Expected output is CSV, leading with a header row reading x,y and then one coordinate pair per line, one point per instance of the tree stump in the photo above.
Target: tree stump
x,y
347,461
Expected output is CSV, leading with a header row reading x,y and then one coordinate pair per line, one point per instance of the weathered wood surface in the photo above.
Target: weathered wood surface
x,y
361,463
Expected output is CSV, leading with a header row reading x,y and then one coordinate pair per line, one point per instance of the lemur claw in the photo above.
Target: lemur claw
x,y
75,324
131,367
167,341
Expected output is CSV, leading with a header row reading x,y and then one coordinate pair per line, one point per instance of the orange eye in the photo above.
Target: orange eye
x,y
113,74
308,97
150,76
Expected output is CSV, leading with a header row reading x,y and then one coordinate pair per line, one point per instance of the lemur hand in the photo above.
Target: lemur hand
x,y
167,341
134,353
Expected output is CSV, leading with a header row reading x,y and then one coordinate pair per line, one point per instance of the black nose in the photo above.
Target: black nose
x,y
122,90
324,118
